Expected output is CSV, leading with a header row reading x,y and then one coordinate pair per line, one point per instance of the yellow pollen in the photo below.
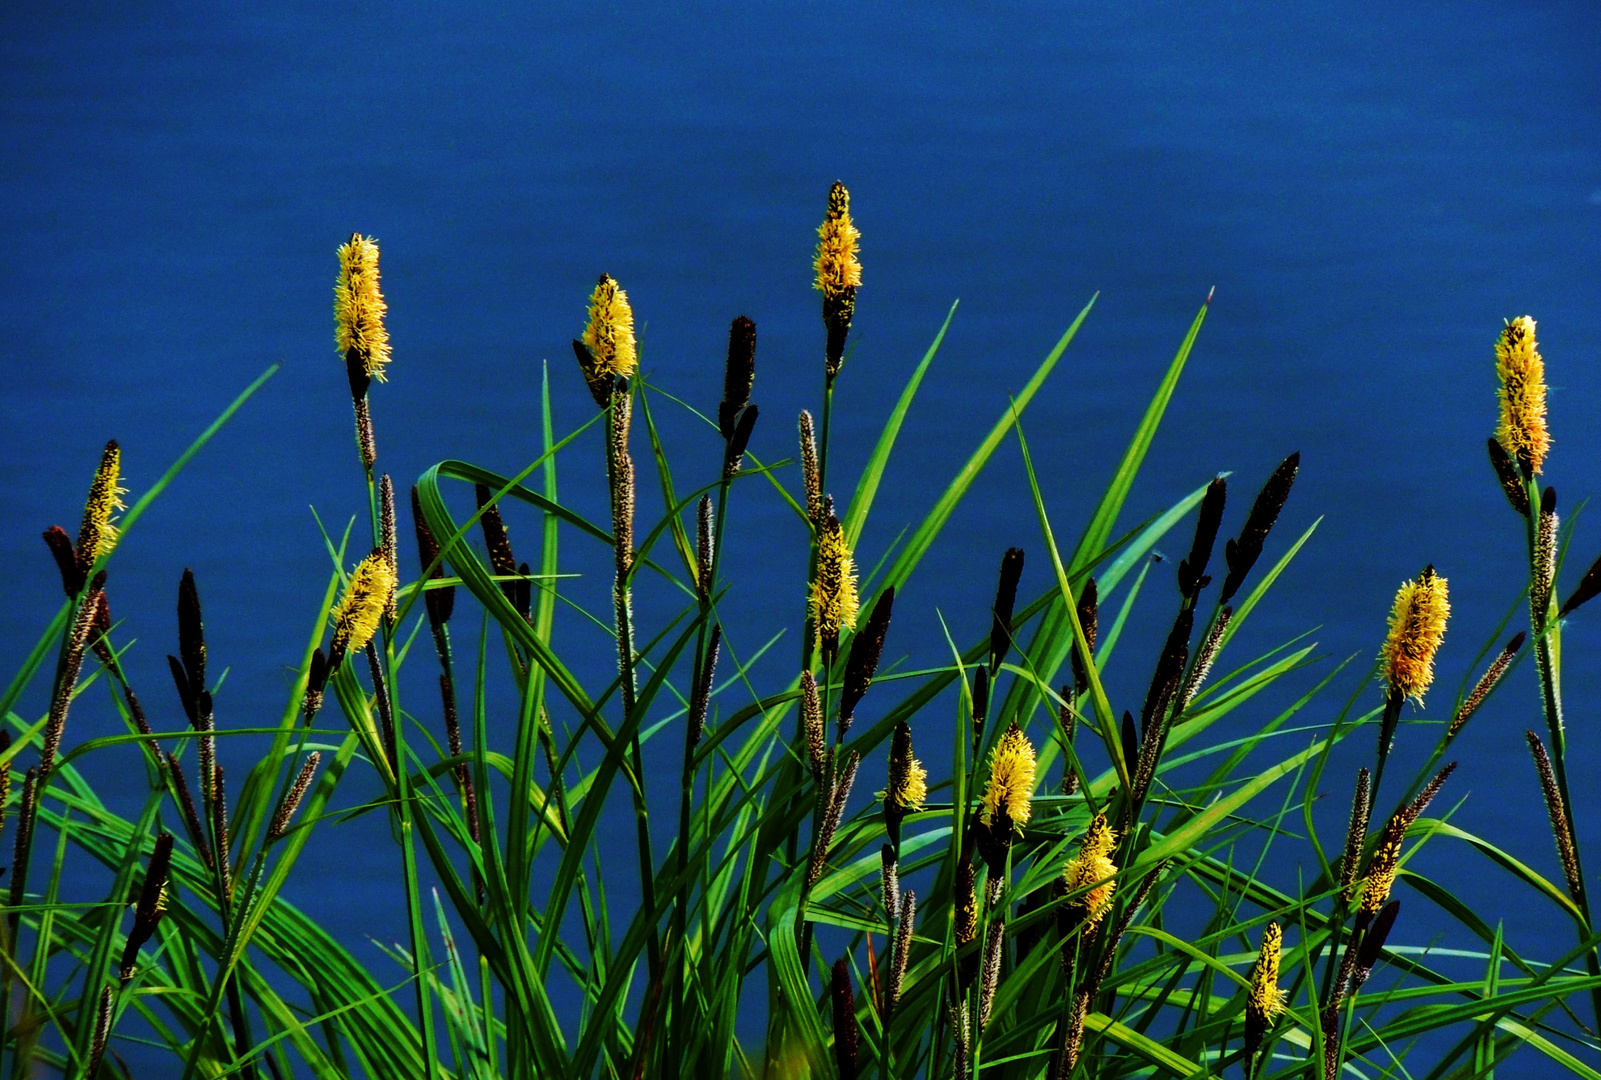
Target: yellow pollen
x,y
1522,431
908,780
1011,785
1093,864
834,600
366,597
1266,1000
1381,873
1417,626
359,307
838,268
98,534
610,333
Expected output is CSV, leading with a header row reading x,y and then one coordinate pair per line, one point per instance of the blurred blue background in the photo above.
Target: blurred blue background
x,y
1371,189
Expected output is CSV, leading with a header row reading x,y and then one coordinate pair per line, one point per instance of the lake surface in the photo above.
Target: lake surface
x,y
1370,190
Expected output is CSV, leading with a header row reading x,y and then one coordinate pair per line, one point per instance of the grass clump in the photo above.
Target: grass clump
x,y
1078,890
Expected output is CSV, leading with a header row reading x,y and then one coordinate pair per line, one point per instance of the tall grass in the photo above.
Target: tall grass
x,y
1073,886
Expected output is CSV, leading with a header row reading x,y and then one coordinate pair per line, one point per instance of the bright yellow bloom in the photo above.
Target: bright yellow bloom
x,y
366,597
1011,785
1093,864
1381,871
834,600
838,268
908,780
1417,626
1522,432
359,307
610,333
1266,1000
98,534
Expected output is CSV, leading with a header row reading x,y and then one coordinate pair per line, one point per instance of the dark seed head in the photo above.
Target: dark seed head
x,y
739,375
441,603
1192,569
866,649
60,544
1005,600
1511,482
191,633
1241,554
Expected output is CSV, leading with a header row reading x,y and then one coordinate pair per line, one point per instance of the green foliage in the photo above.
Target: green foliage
x,y
511,916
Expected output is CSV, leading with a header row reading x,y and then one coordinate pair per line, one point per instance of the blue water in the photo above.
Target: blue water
x,y
1370,190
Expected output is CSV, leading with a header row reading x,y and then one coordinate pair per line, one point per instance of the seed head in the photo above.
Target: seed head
x,y
359,611
739,374
1487,683
294,797
1373,943
151,907
608,339
1522,430
1511,483
1093,866
834,601
98,535
812,722
902,950
1417,626
1011,784
1088,612
846,1033
390,545
1005,600
1545,558
1241,554
808,449
102,1033
862,664
1355,836
440,603
359,310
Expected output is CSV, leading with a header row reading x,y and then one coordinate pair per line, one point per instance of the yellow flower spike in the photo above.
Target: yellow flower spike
x,y
359,309
610,333
98,534
360,610
908,780
1266,1000
834,600
1093,864
966,905
1417,626
1381,872
838,243
1010,793
1522,431
839,274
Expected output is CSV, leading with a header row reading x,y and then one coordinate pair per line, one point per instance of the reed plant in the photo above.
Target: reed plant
x,y
1049,885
